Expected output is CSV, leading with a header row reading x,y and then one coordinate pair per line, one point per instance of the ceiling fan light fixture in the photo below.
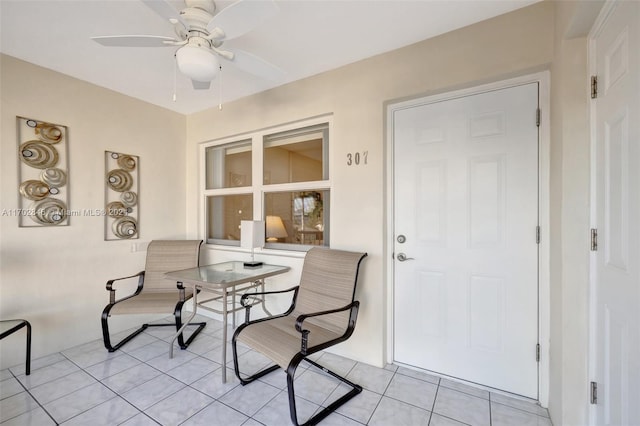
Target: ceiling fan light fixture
x,y
197,63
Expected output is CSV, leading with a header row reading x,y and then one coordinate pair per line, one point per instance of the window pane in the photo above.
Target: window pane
x,y
228,166
297,217
296,156
224,213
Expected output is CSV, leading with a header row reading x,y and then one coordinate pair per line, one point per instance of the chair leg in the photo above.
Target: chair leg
x,y
178,315
105,332
236,368
291,370
183,345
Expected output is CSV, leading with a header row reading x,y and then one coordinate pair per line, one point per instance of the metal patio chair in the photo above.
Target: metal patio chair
x,y
323,313
155,294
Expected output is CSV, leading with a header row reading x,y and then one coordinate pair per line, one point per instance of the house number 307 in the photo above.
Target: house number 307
x,y
357,158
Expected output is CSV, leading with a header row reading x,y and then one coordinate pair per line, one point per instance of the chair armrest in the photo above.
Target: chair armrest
x,y
181,291
262,293
248,295
353,307
303,317
112,291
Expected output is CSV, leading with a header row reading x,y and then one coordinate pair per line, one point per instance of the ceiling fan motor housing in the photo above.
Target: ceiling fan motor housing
x,y
197,18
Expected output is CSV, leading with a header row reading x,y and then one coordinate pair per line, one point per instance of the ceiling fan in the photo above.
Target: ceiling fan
x,y
200,34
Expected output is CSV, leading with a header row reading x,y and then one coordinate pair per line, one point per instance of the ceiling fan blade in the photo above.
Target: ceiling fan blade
x,y
242,16
164,9
201,85
255,65
134,41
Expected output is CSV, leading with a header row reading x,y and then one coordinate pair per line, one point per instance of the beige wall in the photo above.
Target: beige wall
x,y
55,276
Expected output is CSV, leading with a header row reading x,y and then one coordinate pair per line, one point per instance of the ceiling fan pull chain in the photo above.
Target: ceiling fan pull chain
x,y
175,79
220,89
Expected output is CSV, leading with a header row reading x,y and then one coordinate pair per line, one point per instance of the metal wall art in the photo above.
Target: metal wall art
x,y
42,173
121,196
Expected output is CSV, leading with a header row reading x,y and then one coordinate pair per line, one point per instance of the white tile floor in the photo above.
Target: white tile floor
x,y
140,385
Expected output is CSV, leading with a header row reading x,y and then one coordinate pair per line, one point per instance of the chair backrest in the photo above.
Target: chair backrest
x,y
169,255
328,281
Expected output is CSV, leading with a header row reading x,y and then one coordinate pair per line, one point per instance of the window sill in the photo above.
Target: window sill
x,y
260,252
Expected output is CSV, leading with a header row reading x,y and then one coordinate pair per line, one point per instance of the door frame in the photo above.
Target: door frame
x,y
592,356
544,288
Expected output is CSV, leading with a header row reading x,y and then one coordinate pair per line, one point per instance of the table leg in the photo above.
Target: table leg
x,y
233,307
264,305
224,335
185,323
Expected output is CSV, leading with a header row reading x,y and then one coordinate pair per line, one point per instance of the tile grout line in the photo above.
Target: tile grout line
x,y
117,395
521,410
337,387
433,405
32,397
217,399
490,411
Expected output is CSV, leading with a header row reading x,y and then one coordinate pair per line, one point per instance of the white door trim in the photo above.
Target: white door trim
x,y
593,309
592,361
544,289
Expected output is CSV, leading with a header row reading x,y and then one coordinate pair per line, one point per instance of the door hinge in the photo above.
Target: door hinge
x,y
594,86
538,352
538,234
594,239
593,390
538,117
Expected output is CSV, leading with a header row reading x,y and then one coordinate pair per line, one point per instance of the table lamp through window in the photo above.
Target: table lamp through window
x,y
275,229
251,236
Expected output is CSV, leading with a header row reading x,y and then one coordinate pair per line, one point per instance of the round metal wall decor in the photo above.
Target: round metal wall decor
x,y
119,180
127,162
54,177
34,189
129,198
38,154
116,209
49,132
125,227
121,196
42,173
49,211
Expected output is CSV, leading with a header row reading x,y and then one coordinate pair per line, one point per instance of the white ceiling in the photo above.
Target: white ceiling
x,y
306,37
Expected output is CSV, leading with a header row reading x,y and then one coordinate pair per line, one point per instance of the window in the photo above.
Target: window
x,y
224,213
296,217
229,165
280,176
295,156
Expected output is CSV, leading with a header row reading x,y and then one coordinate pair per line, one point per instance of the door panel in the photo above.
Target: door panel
x,y
466,198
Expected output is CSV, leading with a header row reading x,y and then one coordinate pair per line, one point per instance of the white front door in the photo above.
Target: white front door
x,y
465,221
616,216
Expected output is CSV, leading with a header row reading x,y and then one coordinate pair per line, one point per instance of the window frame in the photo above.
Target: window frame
x,y
258,188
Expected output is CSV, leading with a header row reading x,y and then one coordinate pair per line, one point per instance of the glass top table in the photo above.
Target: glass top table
x,y
223,280
227,274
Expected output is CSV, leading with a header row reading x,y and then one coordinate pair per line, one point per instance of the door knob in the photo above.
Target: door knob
x,y
403,257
